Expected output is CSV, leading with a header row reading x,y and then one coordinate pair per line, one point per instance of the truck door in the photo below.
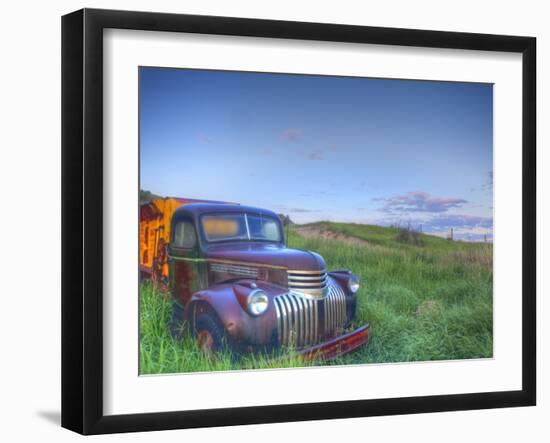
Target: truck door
x,y
184,262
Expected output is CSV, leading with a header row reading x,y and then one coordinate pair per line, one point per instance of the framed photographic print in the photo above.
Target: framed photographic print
x,y
269,221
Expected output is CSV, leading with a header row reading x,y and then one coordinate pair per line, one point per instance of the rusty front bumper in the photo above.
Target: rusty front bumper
x,y
338,346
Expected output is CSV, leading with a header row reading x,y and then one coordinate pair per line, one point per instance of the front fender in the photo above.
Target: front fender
x,y
341,278
237,322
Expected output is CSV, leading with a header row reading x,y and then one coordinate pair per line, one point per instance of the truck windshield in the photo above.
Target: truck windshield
x,y
227,227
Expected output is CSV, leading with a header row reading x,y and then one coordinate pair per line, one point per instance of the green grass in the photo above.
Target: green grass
x,y
161,354
424,302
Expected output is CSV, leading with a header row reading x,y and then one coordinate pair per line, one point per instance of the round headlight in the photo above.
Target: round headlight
x,y
353,283
257,302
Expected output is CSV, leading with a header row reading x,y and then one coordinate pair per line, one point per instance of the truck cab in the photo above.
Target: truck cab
x,y
235,284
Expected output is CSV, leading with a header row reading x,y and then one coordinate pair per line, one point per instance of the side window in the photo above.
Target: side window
x,y
184,235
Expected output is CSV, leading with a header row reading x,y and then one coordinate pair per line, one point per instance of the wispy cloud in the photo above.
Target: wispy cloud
x,y
295,210
292,134
419,202
446,221
204,139
315,194
315,154
266,151
464,226
487,186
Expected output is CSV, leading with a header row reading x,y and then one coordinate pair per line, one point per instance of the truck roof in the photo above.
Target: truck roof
x,y
197,209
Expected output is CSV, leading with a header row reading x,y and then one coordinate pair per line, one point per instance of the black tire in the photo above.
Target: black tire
x,y
176,323
208,324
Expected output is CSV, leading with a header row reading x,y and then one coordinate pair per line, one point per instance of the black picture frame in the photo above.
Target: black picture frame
x,y
82,215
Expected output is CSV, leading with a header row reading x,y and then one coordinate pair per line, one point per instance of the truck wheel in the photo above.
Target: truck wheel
x,y
211,335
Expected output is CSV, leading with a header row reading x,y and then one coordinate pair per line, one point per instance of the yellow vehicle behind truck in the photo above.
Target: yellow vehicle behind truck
x,y
154,235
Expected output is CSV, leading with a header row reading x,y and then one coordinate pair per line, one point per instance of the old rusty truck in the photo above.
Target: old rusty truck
x,y
235,283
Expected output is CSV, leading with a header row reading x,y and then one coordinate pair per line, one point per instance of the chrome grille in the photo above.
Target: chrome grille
x,y
243,271
312,283
299,322
335,310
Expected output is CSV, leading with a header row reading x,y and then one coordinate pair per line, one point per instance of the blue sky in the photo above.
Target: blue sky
x,y
323,148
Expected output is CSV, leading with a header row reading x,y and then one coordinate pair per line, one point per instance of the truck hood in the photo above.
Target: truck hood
x,y
267,254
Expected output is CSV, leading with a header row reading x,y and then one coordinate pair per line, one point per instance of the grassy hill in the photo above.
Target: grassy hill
x,y
429,299
426,298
